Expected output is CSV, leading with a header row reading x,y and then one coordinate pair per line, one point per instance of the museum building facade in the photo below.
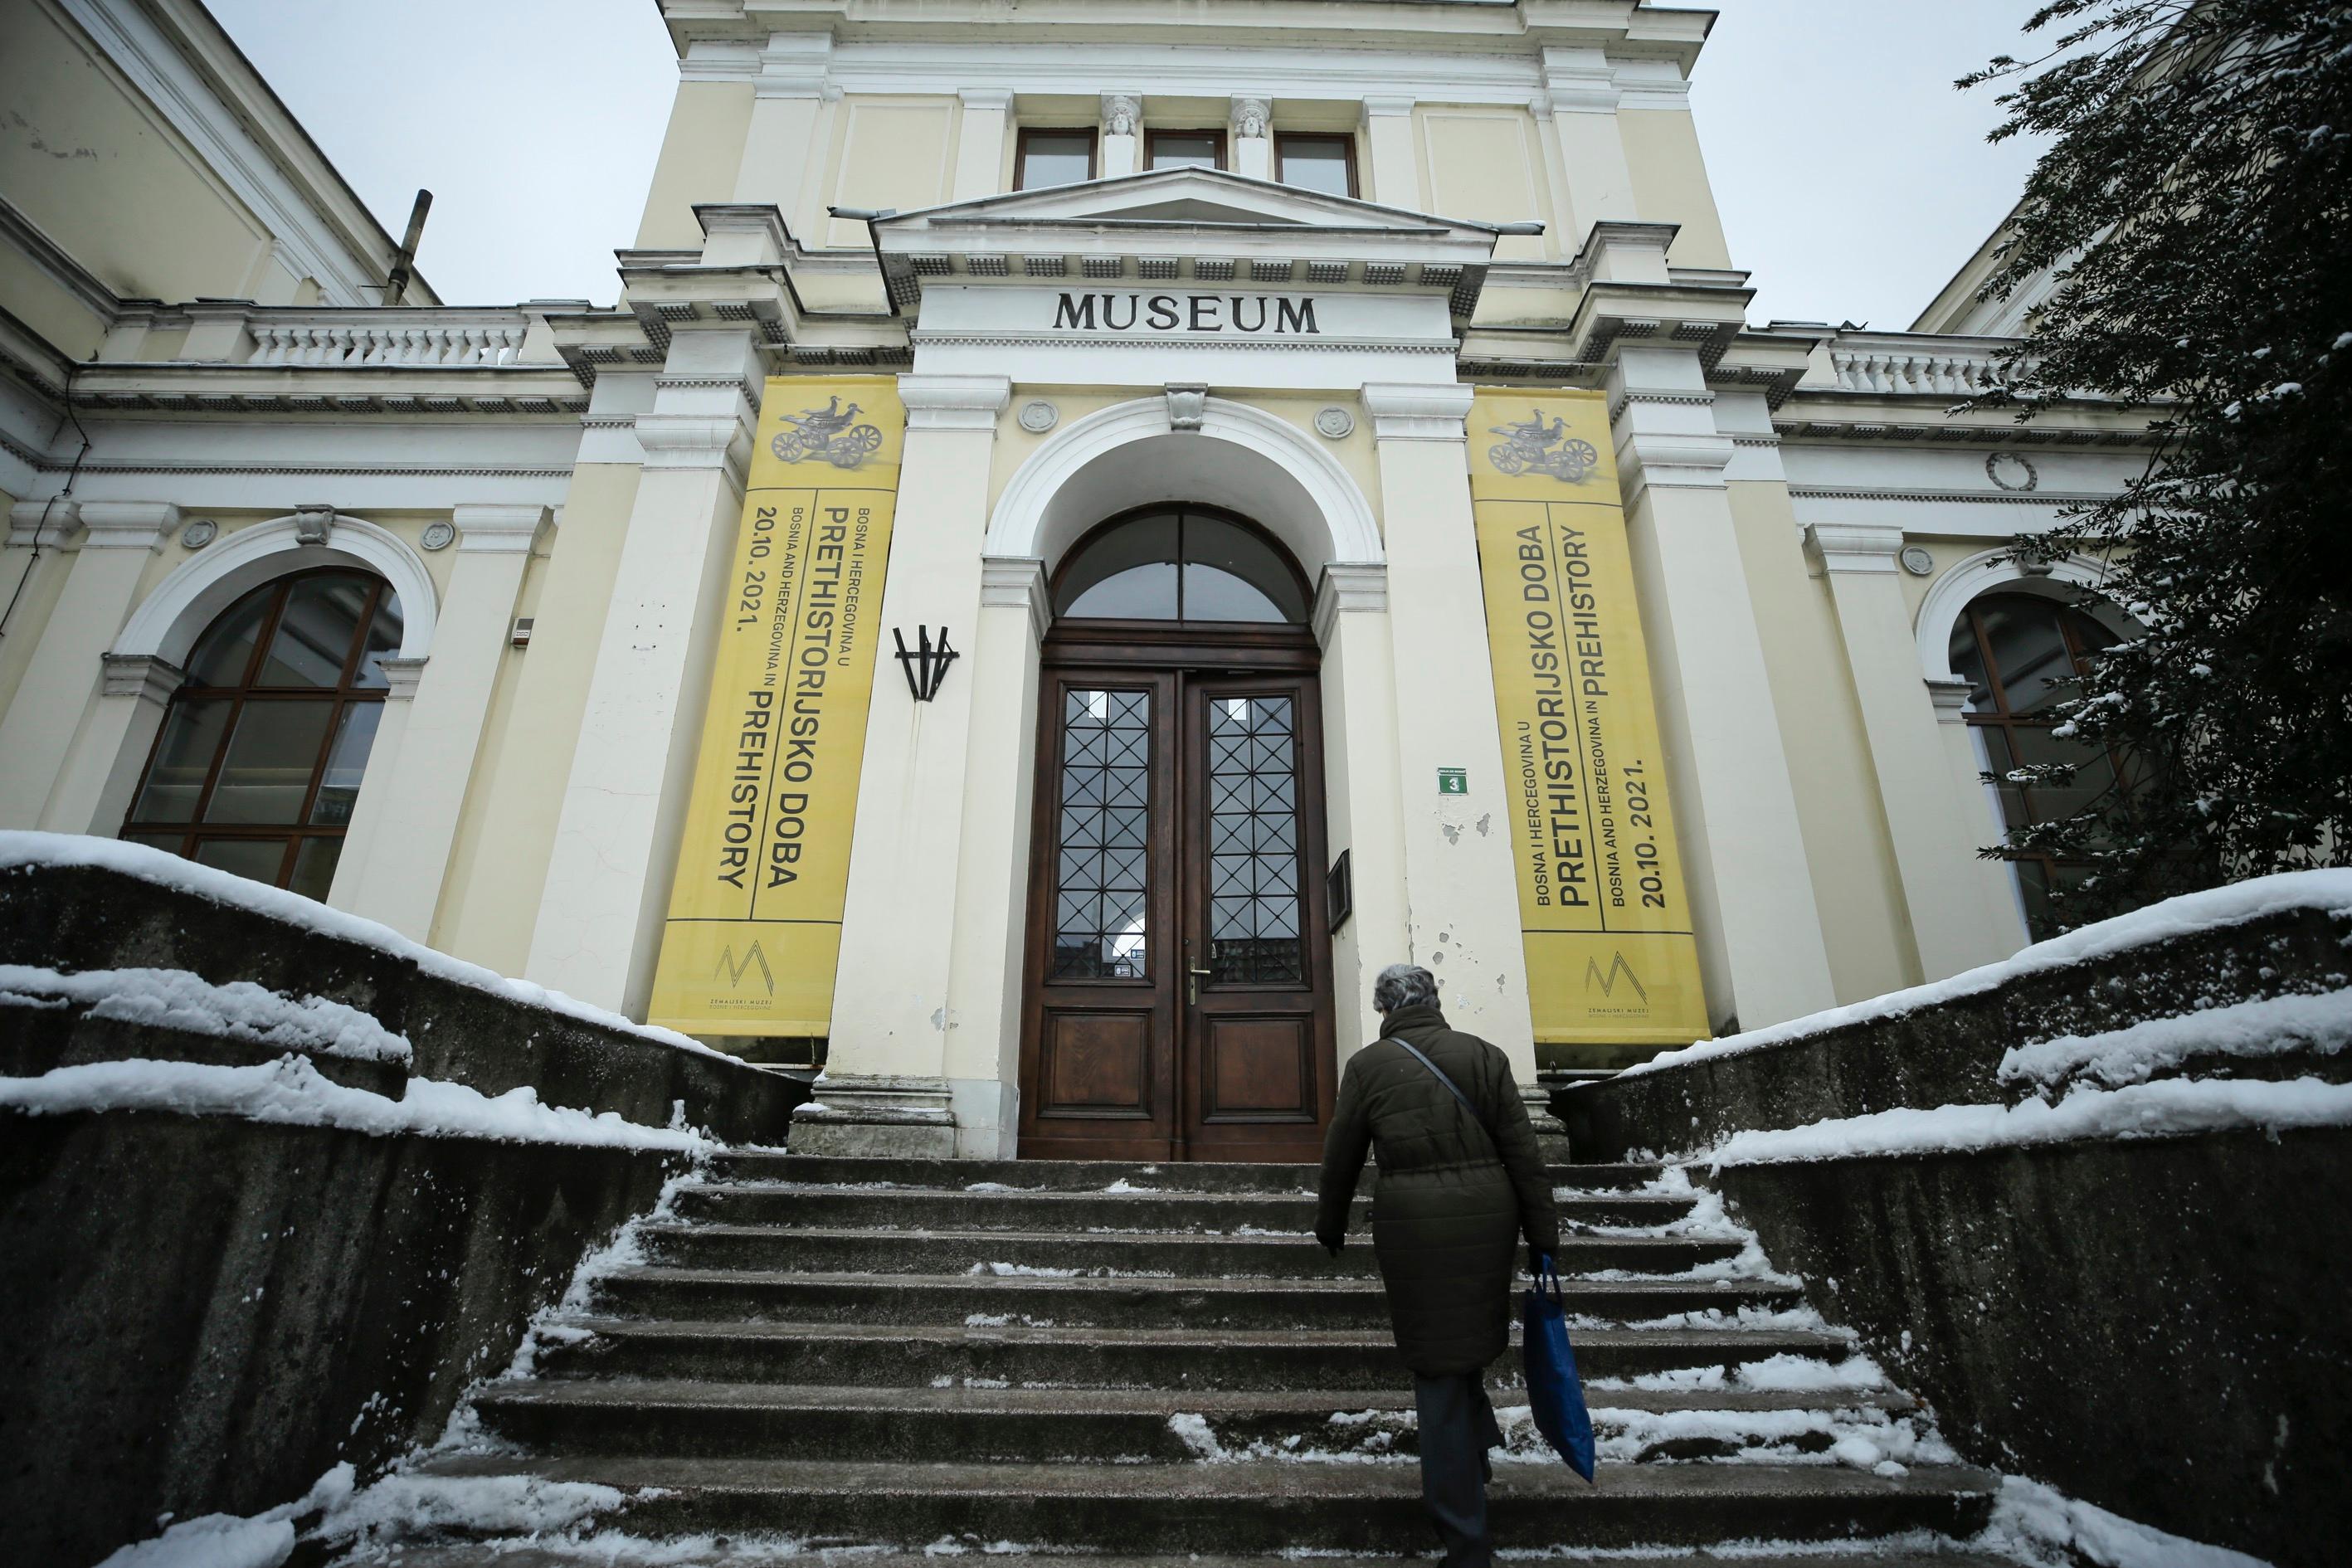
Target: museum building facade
x,y
1092,530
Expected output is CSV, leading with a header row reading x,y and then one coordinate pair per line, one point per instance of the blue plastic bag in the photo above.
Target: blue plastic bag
x,y
1555,1394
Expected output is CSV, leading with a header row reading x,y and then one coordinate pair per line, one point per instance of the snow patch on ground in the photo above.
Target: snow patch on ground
x,y
18,848
225,1541
2043,1526
240,1010
2167,1108
293,1092
2269,1027
2330,890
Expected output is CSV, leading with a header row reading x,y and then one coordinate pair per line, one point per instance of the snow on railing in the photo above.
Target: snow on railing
x,y
451,339
1898,363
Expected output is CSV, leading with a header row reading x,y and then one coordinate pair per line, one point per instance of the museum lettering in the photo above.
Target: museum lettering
x,y
1271,315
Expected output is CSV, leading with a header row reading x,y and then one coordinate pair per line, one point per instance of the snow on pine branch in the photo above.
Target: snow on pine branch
x,y
2328,890
292,1093
23,849
240,1010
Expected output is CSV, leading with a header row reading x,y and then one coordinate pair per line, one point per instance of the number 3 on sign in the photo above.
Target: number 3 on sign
x,y
1452,781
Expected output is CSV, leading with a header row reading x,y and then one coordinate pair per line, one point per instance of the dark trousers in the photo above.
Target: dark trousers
x,y
1457,1427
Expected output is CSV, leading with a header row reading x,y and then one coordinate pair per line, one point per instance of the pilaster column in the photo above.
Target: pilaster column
x,y
1396,164
37,530
886,1086
401,676
980,143
417,787
1979,814
1582,96
61,680
616,836
1932,827
1759,933
1249,134
1362,804
788,97
1462,891
1122,135
101,769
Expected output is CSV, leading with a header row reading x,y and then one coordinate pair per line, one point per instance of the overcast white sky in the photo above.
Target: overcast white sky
x,y
1853,179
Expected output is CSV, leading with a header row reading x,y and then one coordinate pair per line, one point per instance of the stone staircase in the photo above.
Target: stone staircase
x,y
808,1355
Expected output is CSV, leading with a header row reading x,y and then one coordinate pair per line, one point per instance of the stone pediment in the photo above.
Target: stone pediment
x,y
1185,225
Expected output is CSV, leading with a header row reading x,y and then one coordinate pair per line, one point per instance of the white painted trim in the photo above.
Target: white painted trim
x,y
1017,528
1980,573
167,624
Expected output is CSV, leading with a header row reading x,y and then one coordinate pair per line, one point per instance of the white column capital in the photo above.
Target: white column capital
x,y
1017,582
996,98
1950,698
42,524
1122,113
1411,411
695,441
1349,587
1853,547
1579,81
1392,103
795,65
400,675
128,524
145,675
497,529
953,402
1250,116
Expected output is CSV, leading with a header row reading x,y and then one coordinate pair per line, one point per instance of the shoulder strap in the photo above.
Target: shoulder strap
x,y
1438,1073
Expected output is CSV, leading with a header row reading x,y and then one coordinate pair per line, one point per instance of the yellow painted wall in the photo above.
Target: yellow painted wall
x,y
83,156
1864,920
895,152
708,123
1486,165
1670,183
490,901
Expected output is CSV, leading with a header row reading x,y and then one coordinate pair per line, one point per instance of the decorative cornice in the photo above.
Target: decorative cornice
x,y
1854,547
953,402
1017,582
147,677
497,529
1349,587
128,524
1410,411
42,524
1972,497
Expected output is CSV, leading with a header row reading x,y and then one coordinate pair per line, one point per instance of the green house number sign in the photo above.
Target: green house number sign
x,y
1452,781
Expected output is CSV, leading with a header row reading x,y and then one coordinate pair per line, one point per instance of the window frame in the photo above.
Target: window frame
x,y
340,696
1152,133
1021,138
1345,140
1179,510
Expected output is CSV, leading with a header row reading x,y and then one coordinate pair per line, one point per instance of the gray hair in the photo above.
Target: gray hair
x,y
1404,985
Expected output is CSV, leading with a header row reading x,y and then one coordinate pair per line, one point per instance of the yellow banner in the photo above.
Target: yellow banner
x,y
1611,958
754,928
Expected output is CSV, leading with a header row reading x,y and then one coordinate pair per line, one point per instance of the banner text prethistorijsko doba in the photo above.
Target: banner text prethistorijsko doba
x,y
754,928
1611,958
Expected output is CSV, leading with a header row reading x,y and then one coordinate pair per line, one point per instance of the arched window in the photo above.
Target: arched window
x,y
259,758
1187,564
2013,649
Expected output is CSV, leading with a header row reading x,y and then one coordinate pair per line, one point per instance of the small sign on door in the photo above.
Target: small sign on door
x,y
1452,781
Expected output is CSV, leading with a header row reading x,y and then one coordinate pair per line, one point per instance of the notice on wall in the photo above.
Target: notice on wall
x,y
1611,957
753,934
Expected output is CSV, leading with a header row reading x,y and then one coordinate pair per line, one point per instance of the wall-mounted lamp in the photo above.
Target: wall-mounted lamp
x,y
926,667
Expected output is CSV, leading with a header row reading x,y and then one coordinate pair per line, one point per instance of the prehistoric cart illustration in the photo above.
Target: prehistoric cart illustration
x,y
1538,444
828,433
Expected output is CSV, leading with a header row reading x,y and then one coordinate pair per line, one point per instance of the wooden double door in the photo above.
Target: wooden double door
x,y
1178,994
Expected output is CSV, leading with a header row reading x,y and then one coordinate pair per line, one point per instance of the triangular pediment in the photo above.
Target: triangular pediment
x,y
1184,225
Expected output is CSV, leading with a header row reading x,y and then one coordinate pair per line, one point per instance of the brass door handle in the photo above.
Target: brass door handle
x,y
1196,973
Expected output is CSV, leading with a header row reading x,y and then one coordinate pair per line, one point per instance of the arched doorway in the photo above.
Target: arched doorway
x,y
1177,992
260,756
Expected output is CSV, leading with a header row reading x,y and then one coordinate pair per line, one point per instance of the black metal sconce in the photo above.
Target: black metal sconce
x,y
926,667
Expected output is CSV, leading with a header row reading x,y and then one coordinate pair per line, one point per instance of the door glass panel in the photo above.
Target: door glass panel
x,y
1232,575
190,738
1253,906
1127,573
383,642
314,634
354,738
2029,654
258,859
265,774
1103,841
225,652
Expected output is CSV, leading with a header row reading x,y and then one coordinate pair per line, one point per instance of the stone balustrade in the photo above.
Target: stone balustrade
x,y
367,339
1900,364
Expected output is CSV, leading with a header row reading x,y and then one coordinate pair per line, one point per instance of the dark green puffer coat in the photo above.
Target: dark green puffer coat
x,y
1446,1213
